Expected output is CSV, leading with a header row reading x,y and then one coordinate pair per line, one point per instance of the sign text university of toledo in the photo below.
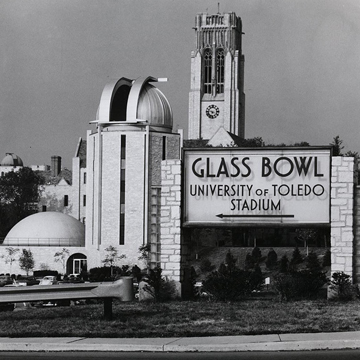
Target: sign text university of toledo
x,y
262,186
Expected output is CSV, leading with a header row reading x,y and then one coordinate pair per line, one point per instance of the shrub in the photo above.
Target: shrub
x,y
309,283
206,266
296,257
230,261
284,264
99,274
271,259
42,273
327,258
124,270
342,286
230,283
136,273
285,286
249,262
224,285
159,287
313,263
256,279
256,254
303,284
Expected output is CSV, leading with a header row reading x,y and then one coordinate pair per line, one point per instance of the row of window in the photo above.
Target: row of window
x,y
66,200
122,189
211,72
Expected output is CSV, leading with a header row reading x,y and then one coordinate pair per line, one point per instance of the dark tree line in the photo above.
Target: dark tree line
x,y
19,195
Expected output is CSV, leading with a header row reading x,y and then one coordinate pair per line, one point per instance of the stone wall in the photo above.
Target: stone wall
x,y
342,212
170,232
345,247
357,236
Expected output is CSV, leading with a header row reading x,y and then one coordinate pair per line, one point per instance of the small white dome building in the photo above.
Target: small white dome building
x,y
47,229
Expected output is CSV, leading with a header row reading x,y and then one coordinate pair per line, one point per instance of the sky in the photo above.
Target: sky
x,y
302,67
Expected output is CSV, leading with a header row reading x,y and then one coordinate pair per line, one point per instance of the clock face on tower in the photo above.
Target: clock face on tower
x,y
212,111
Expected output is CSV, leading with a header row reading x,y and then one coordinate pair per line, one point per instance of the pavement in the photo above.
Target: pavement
x,y
271,342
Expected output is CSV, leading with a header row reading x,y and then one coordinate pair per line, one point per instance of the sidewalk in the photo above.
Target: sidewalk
x,y
272,342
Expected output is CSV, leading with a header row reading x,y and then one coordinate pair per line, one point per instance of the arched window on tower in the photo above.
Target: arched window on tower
x,y
220,67
207,70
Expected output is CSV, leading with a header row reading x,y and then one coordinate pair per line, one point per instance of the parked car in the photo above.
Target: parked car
x,y
72,279
5,280
48,280
27,281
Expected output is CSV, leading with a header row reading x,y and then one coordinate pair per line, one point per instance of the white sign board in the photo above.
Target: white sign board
x,y
257,186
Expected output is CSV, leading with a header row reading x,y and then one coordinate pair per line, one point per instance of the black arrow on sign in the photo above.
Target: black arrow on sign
x,y
221,216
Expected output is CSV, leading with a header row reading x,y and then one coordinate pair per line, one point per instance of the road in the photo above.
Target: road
x,y
286,355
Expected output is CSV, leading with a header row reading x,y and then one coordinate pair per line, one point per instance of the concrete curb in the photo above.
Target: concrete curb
x,y
272,342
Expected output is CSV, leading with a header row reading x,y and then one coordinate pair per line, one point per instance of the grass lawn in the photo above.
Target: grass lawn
x,y
183,319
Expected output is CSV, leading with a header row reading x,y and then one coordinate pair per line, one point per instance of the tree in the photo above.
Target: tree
x,y
341,285
256,254
313,263
353,154
112,257
284,264
61,256
296,257
337,146
327,258
26,261
230,261
249,262
10,256
271,260
144,251
19,194
306,235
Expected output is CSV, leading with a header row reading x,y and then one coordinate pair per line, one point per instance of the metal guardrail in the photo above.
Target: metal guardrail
x,y
121,289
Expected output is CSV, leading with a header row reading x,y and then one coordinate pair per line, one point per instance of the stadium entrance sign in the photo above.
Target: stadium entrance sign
x,y
263,186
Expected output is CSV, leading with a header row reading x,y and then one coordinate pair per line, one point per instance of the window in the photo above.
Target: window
x,y
220,62
122,229
122,189
84,200
207,70
66,200
84,177
164,148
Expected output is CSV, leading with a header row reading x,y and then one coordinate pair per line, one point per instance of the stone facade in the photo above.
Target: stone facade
x,y
344,257
342,214
170,233
356,271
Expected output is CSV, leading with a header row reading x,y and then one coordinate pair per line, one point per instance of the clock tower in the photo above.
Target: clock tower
x,y
217,96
